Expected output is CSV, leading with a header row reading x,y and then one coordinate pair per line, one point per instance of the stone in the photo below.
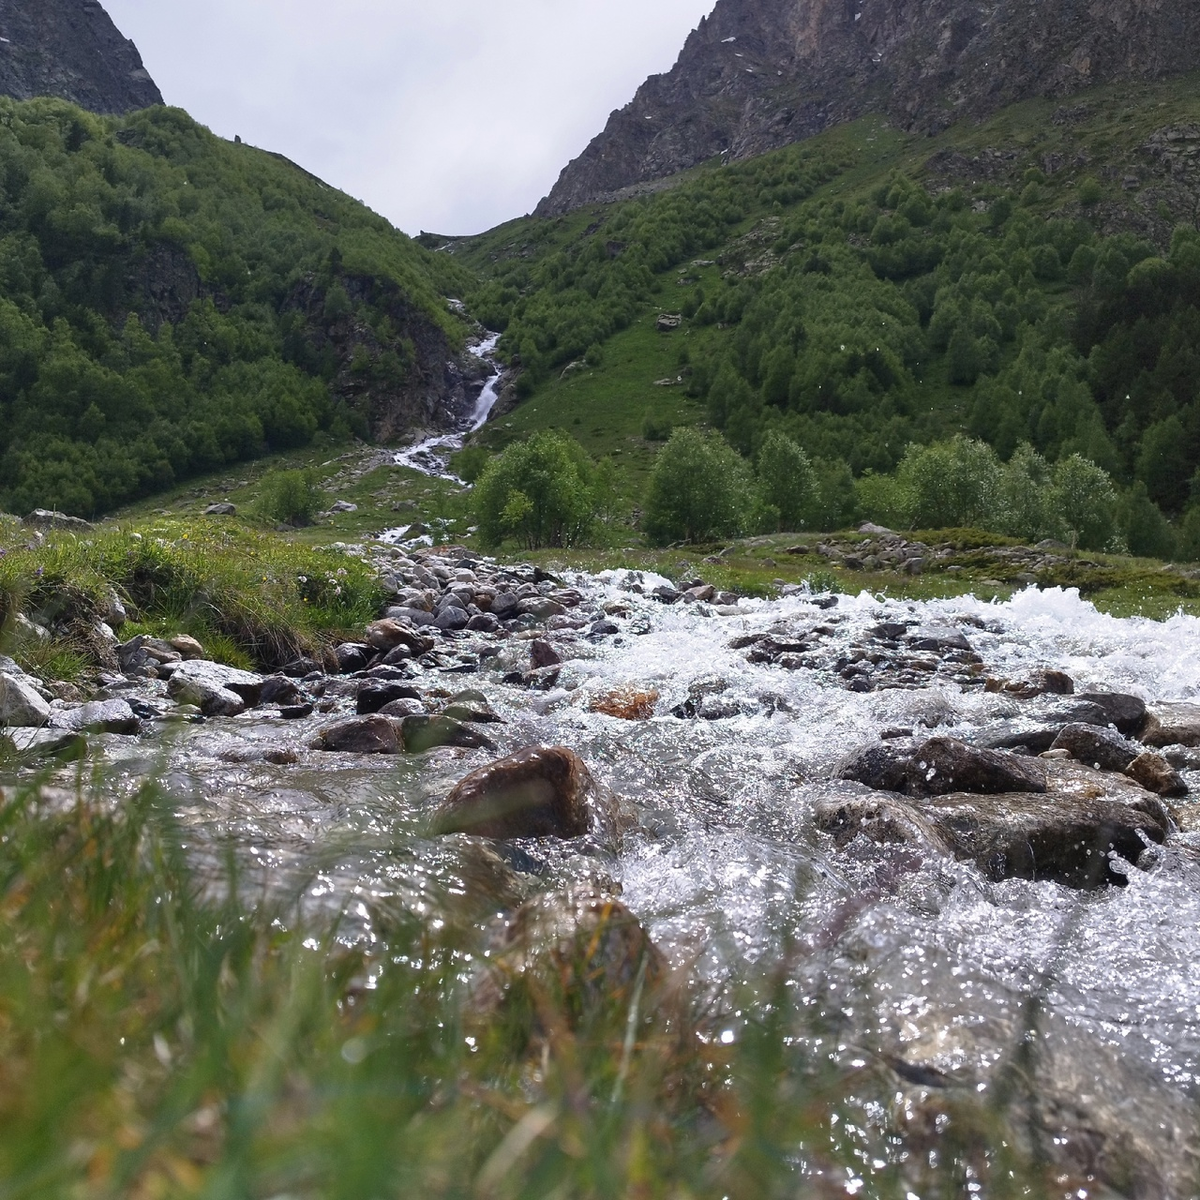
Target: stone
x,y
543,654
1156,775
452,619
99,716
1063,837
63,744
20,704
535,793
944,765
414,616
505,605
403,708
186,647
1172,725
603,629
938,638
484,622
423,732
387,634
626,704
352,657
280,690
374,695
1037,683
362,735
42,518
1104,749
221,510
540,607
296,712
473,707
1127,713
343,506
218,691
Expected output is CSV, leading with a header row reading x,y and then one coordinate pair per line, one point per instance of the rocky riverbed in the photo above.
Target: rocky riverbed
x,y
964,831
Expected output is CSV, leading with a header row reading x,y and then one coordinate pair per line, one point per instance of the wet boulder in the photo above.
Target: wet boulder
x,y
472,706
422,732
1156,775
543,654
216,690
362,735
403,707
626,703
537,792
1127,713
281,691
1042,682
387,634
21,706
374,695
943,765
99,716
1102,748
1172,725
1068,836
352,657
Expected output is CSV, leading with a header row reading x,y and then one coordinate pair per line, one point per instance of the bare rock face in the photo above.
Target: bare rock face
x,y
537,792
72,50
759,74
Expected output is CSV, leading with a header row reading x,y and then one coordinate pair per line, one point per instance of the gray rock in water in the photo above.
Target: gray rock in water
x,y
942,765
218,691
20,704
1156,775
1104,749
403,708
452,619
45,743
1127,713
1063,837
1172,725
100,716
484,623
537,792
543,654
279,689
424,732
373,696
352,657
362,735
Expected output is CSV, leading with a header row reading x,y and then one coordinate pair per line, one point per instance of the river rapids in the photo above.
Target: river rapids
x,y
922,959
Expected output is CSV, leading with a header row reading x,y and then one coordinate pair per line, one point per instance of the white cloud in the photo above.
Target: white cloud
x,y
452,116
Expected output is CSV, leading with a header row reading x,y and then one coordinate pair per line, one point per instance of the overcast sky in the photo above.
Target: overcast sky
x,y
445,115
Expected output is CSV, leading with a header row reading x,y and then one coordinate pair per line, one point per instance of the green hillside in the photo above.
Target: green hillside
x,y
1032,279
170,303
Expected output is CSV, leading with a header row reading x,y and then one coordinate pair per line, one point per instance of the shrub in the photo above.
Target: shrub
x,y
1084,503
538,493
290,497
700,489
951,484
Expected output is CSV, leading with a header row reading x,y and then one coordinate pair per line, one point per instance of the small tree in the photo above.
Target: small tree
x,y
786,480
538,492
700,489
1084,503
951,483
290,497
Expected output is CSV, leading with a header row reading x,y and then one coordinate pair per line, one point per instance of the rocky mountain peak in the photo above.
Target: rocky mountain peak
x,y
758,74
71,49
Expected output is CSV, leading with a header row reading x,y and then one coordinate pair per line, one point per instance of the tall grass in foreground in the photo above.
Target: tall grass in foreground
x,y
160,1037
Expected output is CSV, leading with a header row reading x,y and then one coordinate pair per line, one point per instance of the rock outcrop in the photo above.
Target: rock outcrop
x,y
759,74
72,50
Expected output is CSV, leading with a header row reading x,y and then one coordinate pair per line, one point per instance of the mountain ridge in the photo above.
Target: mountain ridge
x,y
71,49
760,74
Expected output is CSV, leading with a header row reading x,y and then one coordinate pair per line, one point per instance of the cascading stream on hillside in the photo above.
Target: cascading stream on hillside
x,y
899,954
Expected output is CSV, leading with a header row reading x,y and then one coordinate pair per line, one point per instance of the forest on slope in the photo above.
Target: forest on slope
x,y
171,303
1033,283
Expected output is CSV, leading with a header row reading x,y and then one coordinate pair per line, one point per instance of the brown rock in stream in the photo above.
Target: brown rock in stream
x,y
362,735
537,792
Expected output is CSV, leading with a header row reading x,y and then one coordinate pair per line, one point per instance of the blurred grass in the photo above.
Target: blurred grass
x,y
162,1037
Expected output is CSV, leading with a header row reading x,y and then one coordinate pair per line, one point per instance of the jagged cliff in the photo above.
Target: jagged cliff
x,y
71,49
759,74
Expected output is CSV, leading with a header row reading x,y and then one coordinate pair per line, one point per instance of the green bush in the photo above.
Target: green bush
x,y
290,497
700,489
537,493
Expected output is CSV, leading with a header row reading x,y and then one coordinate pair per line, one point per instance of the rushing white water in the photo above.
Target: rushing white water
x,y
431,454
897,953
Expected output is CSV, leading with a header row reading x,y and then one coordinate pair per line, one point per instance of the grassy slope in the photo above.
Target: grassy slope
x,y
1101,137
